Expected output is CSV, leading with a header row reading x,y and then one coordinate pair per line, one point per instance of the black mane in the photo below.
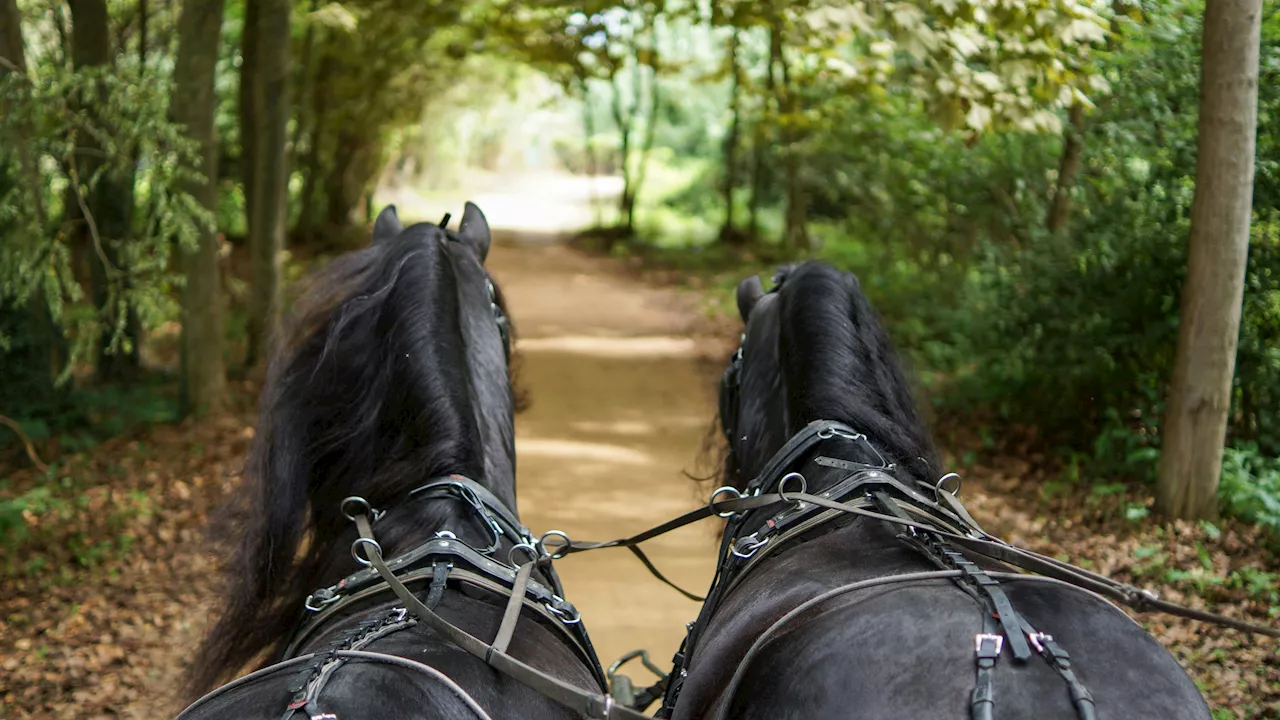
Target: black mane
x,y
377,386
817,344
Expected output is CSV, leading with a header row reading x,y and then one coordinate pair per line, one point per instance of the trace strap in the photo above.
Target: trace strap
x,y
593,705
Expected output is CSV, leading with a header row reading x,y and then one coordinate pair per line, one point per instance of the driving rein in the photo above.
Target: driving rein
x,y
936,527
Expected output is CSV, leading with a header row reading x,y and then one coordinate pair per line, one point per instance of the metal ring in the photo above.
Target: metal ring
x,y
356,499
446,535
782,487
941,485
747,546
737,495
533,554
555,552
365,541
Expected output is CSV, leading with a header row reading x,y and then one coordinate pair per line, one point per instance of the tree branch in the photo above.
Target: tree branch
x,y
26,441
93,226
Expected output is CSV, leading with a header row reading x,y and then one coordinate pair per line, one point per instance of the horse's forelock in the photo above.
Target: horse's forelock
x,y
821,353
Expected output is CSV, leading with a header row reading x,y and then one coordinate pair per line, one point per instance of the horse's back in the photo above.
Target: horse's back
x,y
908,652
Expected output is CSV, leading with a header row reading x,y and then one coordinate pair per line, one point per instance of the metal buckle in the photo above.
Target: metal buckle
x,y
983,637
1036,639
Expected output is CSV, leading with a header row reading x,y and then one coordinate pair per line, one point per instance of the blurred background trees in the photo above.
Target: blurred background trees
x,y
1013,183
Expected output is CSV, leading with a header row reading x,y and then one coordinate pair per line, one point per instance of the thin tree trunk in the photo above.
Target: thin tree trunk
x,y
33,363
248,114
204,376
795,233
270,184
1068,168
1195,422
761,139
727,231
651,124
64,35
589,129
304,127
142,36
624,121
13,59
312,166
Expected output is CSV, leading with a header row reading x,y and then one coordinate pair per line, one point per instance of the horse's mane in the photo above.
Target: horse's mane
x,y
367,394
836,363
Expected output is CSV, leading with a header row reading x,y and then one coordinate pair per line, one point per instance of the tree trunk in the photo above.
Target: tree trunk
x,y
1068,168
270,183
303,128
204,377
14,59
248,114
624,121
761,138
142,36
1200,395
795,233
103,221
589,129
29,356
311,172
650,126
728,232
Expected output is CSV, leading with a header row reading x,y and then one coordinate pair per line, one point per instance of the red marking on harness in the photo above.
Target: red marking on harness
x,y
772,524
297,705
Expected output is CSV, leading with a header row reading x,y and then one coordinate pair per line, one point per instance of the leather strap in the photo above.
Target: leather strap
x,y
593,705
511,615
1060,661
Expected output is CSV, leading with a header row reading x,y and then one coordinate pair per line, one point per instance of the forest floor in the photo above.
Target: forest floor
x,y
114,583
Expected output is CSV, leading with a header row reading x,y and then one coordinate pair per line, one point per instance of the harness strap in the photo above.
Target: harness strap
x,y
439,580
591,704
1061,661
341,654
511,615
1139,600
986,649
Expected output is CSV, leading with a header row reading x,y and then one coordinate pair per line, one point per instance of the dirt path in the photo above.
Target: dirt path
x,y
620,404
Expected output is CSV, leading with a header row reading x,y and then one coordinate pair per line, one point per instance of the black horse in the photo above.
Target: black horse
x,y
872,618
392,387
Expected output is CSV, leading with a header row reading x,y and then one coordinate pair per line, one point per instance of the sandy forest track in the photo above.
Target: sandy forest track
x,y
619,406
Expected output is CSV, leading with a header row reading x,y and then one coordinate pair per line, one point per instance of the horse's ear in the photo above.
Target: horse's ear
x,y
750,291
474,229
387,225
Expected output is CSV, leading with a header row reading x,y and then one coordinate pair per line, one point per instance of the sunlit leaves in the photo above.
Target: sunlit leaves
x,y
980,64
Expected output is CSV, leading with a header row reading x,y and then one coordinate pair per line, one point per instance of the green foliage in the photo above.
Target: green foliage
x,y
1250,486
38,234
